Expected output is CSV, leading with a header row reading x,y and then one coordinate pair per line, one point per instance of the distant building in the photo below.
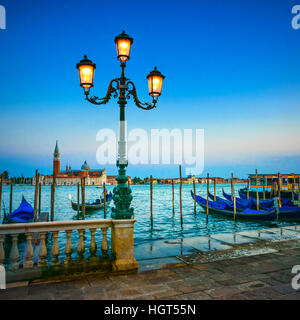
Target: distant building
x,y
111,180
72,177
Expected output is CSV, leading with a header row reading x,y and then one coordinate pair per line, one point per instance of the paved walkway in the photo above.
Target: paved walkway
x,y
260,271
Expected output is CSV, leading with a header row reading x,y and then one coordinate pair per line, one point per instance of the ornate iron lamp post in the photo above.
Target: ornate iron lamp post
x,y
121,88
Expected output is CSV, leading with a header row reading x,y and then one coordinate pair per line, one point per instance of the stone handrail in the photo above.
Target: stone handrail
x,y
53,226
37,255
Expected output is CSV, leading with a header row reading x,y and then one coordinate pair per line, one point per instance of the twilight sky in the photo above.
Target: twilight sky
x,y
232,68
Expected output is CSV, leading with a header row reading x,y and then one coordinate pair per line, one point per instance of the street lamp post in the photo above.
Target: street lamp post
x,y
121,88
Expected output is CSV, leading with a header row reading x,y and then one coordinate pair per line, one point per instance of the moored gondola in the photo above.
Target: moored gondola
x,y
24,214
95,206
284,212
225,210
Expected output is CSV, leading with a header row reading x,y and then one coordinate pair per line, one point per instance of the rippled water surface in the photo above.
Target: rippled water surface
x,y
166,224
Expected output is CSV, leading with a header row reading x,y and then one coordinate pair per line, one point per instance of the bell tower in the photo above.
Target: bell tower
x,y
56,160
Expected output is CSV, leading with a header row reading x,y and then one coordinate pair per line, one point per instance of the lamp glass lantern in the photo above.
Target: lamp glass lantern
x,y
155,81
123,43
86,69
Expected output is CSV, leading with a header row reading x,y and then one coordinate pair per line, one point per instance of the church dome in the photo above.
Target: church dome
x,y
85,166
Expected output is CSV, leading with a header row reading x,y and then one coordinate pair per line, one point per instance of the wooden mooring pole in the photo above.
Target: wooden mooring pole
x,y
279,189
78,200
233,195
36,194
195,202
104,199
83,198
215,189
264,188
257,194
11,198
180,194
248,189
40,199
151,200
207,196
299,192
53,186
173,198
293,189
1,186
232,187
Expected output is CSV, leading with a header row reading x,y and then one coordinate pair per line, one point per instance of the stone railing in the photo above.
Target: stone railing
x,y
53,260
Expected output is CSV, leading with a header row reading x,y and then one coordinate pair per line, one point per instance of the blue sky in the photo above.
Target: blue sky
x,y
232,68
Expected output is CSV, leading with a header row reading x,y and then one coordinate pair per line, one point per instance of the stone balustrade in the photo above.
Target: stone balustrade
x,y
44,254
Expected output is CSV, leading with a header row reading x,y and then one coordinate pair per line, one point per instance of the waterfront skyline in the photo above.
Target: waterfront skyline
x,y
232,69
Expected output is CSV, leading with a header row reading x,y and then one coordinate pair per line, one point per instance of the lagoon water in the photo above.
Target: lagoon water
x,y
166,225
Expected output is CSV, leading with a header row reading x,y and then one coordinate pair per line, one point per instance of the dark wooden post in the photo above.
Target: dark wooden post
x,y
1,186
53,187
248,189
180,194
36,194
173,195
233,196
215,187
279,189
52,202
207,196
293,188
83,198
257,194
40,197
232,187
11,198
151,199
195,203
78,200
104,198
264,188
299,192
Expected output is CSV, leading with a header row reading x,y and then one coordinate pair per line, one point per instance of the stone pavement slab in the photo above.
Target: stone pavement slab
x,y
276,234
233,238
162,249
206,244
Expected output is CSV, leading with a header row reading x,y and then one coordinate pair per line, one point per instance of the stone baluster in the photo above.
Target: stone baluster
x,y
55,249
80,247
29,252
43,251
68,249
104,245
2,254
14,253
93,247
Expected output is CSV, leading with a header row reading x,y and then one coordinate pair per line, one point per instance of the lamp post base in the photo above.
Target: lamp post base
x,y
122,196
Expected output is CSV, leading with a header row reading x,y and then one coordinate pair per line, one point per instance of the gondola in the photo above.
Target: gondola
x,y
24,214
287,210
225,210
263,204
95,206
241,204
